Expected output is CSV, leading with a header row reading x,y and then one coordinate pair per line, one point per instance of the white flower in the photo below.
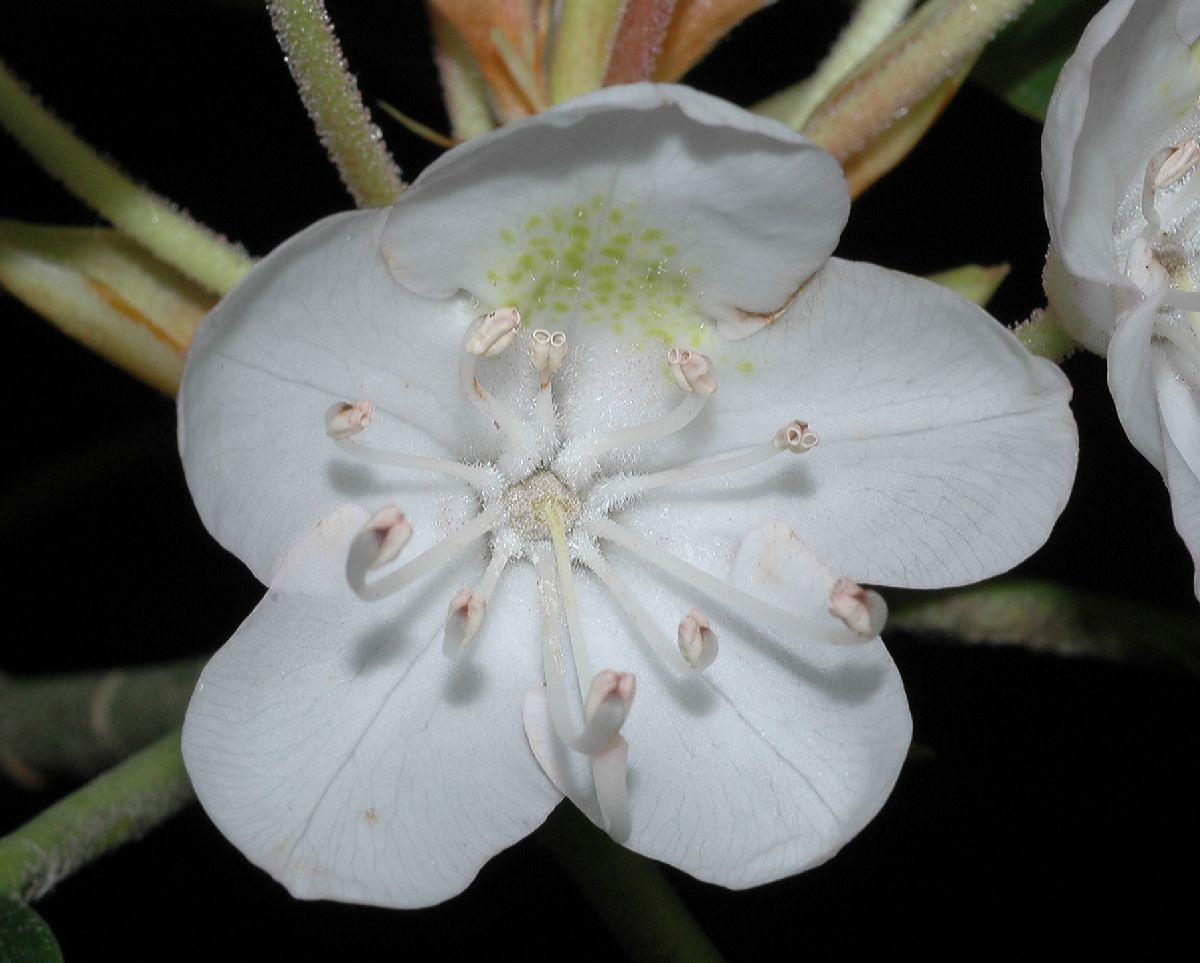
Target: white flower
x,y
689,442
1123,204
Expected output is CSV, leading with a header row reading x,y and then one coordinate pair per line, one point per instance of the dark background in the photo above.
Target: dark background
x,y
1059,797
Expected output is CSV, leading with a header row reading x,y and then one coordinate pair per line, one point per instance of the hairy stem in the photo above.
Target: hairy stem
x,y
149,219
112,809
331,96
935,42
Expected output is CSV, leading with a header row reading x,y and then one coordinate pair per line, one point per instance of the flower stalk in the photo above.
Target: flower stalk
x,y
149,219
929,48
114,808
331,97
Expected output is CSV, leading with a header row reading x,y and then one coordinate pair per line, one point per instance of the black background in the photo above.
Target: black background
x,y
1059,801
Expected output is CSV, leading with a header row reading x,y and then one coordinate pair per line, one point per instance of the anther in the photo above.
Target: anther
x,y
547,349
463,620
1171,163
795,437
490,334
344,419
864,611
697,641
379,542
609,699
605,711
692,371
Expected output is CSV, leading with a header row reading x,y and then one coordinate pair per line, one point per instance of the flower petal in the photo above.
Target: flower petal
x,y
771,759
946,450
1180,407
1131,380
319,321
1116,101
332,742
618,202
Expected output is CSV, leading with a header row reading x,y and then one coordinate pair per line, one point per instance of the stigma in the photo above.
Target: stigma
x,y
551,499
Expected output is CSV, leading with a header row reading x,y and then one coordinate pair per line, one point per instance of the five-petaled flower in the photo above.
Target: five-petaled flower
x,y
631,442
1120,154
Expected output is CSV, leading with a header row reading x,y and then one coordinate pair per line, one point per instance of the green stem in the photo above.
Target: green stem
x,y
82,723
626,890
582,45
1046,617
872,23
934,43
149,219
112,809
330,94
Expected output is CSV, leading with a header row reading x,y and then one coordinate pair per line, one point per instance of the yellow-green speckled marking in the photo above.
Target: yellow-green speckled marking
x,y
601,264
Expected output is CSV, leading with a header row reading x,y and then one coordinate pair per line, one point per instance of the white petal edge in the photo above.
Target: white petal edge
x,y
946,450
752,207
769,761
320,320
332,742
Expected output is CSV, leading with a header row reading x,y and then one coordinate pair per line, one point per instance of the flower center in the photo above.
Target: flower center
x,y
525,505
1157,228
547,500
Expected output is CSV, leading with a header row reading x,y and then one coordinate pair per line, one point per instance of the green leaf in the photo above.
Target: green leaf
x,y
24,936
1021,65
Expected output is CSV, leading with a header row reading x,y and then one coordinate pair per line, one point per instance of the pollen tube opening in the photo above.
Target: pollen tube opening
x,y
744,603
343,421
364,550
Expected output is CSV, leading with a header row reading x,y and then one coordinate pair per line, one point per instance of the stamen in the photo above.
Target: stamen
x,y
862,609
609,769
381,540
468,608
754,609
547,349
366,553
343,421
697,641
1177,162
487,337
1166,167
606,700
692,371
795,437
462,622
637,614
